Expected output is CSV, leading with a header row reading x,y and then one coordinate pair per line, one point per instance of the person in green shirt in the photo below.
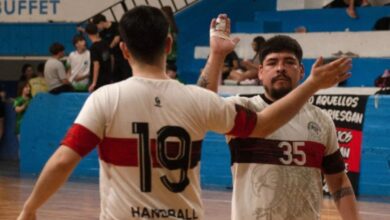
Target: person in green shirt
x,y
21,103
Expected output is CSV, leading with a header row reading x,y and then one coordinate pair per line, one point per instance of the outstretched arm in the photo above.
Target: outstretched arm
x,y
343,195
220,46
281,111
53,176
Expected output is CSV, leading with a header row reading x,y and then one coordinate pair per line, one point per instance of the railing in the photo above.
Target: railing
x,y
115,11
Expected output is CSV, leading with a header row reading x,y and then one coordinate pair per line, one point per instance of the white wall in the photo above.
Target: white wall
x,y
300,4
54,10
67,10
365,44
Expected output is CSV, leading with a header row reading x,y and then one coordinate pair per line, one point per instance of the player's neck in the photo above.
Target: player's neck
x,y
149,71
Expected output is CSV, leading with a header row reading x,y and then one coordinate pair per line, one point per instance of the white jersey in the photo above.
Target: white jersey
x,y
80,64
279,177
149,134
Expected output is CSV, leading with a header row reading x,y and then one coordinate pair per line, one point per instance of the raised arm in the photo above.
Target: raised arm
x,y
220,46
281,111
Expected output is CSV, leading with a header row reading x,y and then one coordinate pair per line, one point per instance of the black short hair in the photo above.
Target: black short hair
x,y
25,67
56,48
77,38
281,43
91,29
99,18
41,67
144,30
259,40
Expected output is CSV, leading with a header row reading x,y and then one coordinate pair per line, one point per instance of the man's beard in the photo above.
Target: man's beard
x,y
277,93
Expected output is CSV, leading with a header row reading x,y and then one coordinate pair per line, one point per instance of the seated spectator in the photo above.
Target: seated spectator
x,y
231,63
80,62
55,73
27,74
38,83
249,68
21,103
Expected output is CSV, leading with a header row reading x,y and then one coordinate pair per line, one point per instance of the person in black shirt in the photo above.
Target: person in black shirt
x,y
100,59
109,32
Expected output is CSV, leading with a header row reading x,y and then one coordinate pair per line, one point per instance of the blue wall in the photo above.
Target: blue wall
x,y
44,126
9,145
49,117
34,39
375,163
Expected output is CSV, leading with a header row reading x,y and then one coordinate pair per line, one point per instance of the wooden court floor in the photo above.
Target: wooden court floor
x,y
79,199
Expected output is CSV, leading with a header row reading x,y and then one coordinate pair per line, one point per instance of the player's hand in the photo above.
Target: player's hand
x,y
328,75
220,41
91,88
27,216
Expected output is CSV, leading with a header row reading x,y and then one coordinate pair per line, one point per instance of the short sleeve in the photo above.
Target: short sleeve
x,y
61,71
333,161
88,128
94,54
228,117
92,114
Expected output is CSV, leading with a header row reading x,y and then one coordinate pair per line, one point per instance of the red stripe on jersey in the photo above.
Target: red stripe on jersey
x,y
277,152
81,139
124,151
244,122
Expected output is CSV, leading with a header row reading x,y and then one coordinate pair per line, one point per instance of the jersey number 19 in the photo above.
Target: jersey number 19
x,y
181,161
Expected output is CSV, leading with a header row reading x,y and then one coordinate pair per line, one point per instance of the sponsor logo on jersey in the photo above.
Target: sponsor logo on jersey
x,y
314,131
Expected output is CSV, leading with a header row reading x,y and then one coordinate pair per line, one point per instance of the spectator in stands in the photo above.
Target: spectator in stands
x,y
27,74
55,73
100,70
21,103
38,83
80,63
248,71
231,63
173,31
109,32
2,109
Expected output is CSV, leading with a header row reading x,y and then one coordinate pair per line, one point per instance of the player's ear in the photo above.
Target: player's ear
x,y
168,44
302,71
260,72
125,51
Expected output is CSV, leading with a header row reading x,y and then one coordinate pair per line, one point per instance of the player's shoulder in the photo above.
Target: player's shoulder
x,y
199,90
253,102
